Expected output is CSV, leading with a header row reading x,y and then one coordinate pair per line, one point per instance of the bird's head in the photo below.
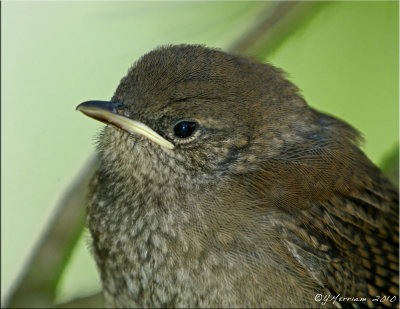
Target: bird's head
x,y
190,111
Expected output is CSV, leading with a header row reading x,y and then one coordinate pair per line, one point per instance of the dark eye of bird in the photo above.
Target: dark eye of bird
x,y
184,129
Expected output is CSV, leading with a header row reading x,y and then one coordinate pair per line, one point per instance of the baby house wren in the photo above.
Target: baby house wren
x,y
219,186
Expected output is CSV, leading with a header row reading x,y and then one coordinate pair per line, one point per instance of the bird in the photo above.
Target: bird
x,y
219,186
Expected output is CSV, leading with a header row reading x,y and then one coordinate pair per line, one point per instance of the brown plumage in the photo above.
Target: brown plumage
x,y
244,197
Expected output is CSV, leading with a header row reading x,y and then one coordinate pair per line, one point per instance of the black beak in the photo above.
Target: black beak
x,y
114,113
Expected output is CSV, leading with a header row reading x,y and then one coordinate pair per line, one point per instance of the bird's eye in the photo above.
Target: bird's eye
x,y
184,129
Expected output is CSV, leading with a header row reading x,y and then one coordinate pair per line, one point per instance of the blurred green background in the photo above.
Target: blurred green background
x,y
343,57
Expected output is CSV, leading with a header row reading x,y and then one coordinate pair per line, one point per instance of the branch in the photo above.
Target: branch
x,y
276,26
36,287
92,301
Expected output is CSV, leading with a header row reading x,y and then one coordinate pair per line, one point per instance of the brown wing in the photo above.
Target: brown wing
x,y
351,244
340,220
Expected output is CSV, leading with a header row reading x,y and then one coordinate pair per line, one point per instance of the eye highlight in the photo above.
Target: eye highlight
x,y
185,129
